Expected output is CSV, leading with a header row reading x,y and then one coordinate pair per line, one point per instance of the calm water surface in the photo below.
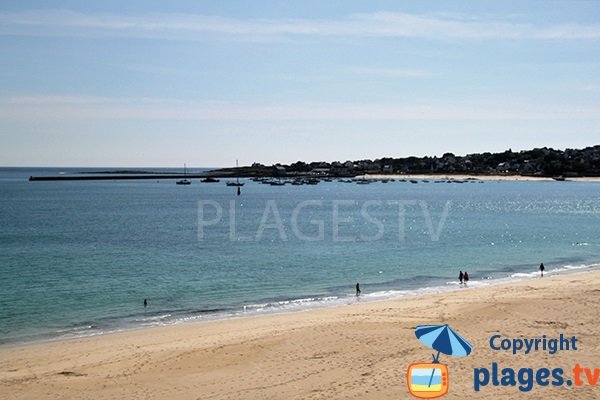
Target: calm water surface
x,y
79,257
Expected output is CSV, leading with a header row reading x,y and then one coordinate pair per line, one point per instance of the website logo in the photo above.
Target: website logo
x,y
428,380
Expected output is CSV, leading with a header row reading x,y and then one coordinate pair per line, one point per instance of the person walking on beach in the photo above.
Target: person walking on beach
x,y
466,278
461,277
357,289
542,268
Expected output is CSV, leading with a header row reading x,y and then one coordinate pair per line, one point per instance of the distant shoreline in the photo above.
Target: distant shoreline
x,y
477,177
246,172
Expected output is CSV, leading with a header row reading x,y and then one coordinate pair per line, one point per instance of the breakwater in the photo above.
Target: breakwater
x,y
114,177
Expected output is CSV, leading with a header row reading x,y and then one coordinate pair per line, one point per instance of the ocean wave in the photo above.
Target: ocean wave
x,y
556,270
292,303
525,274
78,332
153,318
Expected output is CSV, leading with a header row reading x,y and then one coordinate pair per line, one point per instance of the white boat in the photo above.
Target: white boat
x,y
184,181
237,180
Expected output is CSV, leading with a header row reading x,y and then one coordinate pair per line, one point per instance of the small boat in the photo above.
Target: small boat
x,y
208,179
413,181
184,181
237,183
237,180
559,178
276,183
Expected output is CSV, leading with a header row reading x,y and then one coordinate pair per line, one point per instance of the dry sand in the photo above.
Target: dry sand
x,y
358,351
478,177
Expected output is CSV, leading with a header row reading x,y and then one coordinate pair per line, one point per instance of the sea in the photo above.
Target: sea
x,y
78,258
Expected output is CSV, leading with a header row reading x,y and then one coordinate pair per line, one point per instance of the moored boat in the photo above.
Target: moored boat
x,y
184,181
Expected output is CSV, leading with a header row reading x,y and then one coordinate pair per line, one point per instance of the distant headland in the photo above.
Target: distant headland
x,y
540,162
536,163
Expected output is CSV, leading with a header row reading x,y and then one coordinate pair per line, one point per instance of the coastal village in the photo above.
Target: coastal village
x,y
542,162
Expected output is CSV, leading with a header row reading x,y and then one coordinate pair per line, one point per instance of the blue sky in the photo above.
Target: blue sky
x,y
155,83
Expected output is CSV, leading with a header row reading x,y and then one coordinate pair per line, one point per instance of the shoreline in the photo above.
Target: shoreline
x,y
363,348
299,305
477,177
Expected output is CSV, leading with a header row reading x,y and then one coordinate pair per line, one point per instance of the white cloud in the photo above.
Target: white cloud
x,y
391,72
197,27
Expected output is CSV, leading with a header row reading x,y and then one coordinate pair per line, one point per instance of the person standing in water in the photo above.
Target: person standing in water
x,y
542,268
145,303
461,277
357,289
466,278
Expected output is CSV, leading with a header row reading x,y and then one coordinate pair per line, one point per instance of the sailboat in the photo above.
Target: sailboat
x,y
184,181
237,180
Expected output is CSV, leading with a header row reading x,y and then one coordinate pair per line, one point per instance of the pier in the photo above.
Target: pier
x,y
114,177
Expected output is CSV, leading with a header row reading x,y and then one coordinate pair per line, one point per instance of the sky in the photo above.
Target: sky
x,y
162,83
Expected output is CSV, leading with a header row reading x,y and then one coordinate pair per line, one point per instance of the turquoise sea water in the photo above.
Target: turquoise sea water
x,y
79,257
426,377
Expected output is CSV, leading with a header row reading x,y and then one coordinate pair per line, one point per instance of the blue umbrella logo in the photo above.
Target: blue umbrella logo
x,y
443,339
430,380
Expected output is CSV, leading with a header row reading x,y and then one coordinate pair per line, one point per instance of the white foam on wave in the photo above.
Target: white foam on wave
x,y
293,302
75,329
79,332
266,308
525,274
156,320
582,266
453,283
555,271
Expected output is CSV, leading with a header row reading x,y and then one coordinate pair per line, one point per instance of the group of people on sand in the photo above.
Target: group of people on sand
x,y
463,277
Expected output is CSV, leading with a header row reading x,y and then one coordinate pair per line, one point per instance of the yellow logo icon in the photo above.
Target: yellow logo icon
x,y
427,380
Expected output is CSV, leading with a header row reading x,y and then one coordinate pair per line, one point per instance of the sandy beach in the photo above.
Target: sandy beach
x,y
478,177
358,351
